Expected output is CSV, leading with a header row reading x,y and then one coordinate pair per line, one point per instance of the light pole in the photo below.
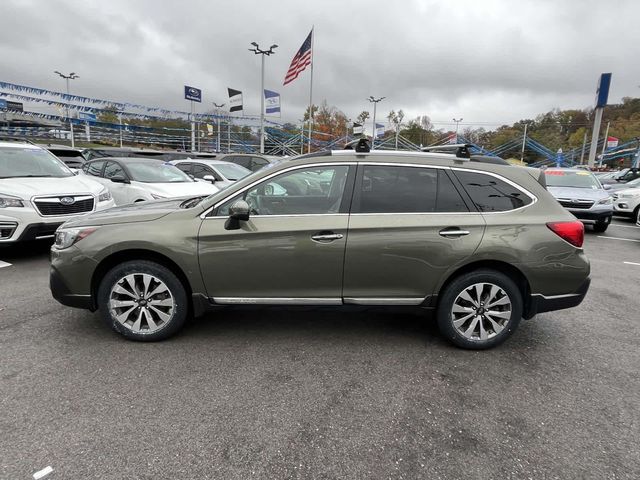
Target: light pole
x,y
71,76
218,107
256,49
375,102
457,123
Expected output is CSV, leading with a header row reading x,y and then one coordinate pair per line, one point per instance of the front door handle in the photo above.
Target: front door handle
x,y
453,232
324,237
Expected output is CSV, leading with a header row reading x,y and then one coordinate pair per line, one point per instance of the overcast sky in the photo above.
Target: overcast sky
x,y
489,62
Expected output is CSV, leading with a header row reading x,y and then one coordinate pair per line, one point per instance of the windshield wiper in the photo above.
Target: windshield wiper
x,y
33,176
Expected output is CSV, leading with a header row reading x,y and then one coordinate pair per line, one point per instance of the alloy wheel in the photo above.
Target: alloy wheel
x,y
481,311
141,302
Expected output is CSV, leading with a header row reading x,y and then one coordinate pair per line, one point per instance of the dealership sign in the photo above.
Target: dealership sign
x,y
192,93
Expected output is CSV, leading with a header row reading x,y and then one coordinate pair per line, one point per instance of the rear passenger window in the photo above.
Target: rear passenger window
x,y
388,189
490,194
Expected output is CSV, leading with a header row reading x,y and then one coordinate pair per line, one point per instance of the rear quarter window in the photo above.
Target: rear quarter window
x,y
491,194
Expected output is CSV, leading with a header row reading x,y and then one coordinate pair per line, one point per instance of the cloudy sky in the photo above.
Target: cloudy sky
x,y
489,62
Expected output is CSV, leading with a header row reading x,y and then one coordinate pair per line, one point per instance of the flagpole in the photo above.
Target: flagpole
x,y
313,39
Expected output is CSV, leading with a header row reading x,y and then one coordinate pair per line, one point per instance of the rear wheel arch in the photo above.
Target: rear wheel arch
x,y
122,256
503,267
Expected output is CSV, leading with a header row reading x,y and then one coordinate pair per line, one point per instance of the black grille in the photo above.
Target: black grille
x,y
56,208
585,205
7,229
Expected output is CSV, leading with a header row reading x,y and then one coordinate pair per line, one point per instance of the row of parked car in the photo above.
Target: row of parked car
x,y
41,186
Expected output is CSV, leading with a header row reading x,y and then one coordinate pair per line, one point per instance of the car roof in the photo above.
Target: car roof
x,y
18,143
207,161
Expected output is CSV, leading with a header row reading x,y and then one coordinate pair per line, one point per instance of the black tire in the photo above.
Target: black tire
x,y
179,309
602,226
451,292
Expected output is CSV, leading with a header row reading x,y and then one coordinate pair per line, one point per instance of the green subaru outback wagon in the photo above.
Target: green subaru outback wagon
x,y
482,244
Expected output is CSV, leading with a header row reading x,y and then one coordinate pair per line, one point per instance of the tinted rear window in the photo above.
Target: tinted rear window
x,y
490,194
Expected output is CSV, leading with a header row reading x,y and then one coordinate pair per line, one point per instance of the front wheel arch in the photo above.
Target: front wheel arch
x,y
122,256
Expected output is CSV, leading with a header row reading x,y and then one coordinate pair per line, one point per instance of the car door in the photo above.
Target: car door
x,y
409,224
291,250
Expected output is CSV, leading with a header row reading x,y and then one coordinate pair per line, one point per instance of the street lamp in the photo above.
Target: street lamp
x,y
258,51
457,123
375,102
71,76
218,107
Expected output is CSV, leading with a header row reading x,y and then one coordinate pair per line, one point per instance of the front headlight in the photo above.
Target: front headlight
x,y
605,201
104,196
157,197
6,201
65,237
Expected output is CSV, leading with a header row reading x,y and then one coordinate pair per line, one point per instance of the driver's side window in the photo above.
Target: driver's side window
x,y
310,190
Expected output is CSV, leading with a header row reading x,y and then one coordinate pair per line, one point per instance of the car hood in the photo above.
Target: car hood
x,y
26,188
178,189
584,193
137,212
627,191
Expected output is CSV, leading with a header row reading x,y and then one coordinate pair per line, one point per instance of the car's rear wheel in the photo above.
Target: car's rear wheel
x,y
480,309
143,300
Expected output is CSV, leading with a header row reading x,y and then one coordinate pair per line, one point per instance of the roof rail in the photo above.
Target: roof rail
x,y
462,150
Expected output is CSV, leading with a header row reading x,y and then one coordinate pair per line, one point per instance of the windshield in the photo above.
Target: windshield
x,y
30,162
156,172
570,178
232,171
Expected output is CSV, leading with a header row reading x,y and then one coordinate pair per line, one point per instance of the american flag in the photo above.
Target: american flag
x,y
301,60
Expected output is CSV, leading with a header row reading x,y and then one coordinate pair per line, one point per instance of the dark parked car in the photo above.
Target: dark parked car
x,y
484,245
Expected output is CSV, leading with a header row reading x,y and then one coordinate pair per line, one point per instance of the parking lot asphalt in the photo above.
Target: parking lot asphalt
x,y
322,393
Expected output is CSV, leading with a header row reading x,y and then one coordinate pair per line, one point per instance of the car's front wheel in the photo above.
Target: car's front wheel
x,y
479,310
143,300
602,225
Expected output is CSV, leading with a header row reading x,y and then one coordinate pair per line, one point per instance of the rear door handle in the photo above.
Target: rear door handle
x,y
453,232
326,237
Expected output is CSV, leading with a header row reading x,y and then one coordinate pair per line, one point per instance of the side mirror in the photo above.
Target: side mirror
x,y
209,178
238,212
606,187
119,179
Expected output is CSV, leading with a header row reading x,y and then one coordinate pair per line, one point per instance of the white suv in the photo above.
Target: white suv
x,y
38,192
626,202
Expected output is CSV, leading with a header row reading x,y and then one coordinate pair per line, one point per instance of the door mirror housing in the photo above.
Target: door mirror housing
x,y
606,187
238,212
119,179
210,178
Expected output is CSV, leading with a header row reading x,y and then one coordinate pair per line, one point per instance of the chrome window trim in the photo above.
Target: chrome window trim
x,y
533,198
290,215
204,215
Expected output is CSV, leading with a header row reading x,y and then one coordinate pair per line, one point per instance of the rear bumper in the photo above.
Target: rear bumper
x,y
539,303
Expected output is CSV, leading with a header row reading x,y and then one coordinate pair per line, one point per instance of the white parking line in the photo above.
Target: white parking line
x,y
622,226
4,264
616,238
632,263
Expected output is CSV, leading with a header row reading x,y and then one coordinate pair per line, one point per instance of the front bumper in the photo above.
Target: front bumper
x,y
61,292
624,207
592,216
19,224
539,303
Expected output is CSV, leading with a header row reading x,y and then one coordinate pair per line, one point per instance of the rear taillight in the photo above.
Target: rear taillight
x,y
572,232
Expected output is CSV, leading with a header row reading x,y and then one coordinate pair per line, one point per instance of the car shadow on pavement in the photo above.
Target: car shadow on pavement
x,y
32,250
